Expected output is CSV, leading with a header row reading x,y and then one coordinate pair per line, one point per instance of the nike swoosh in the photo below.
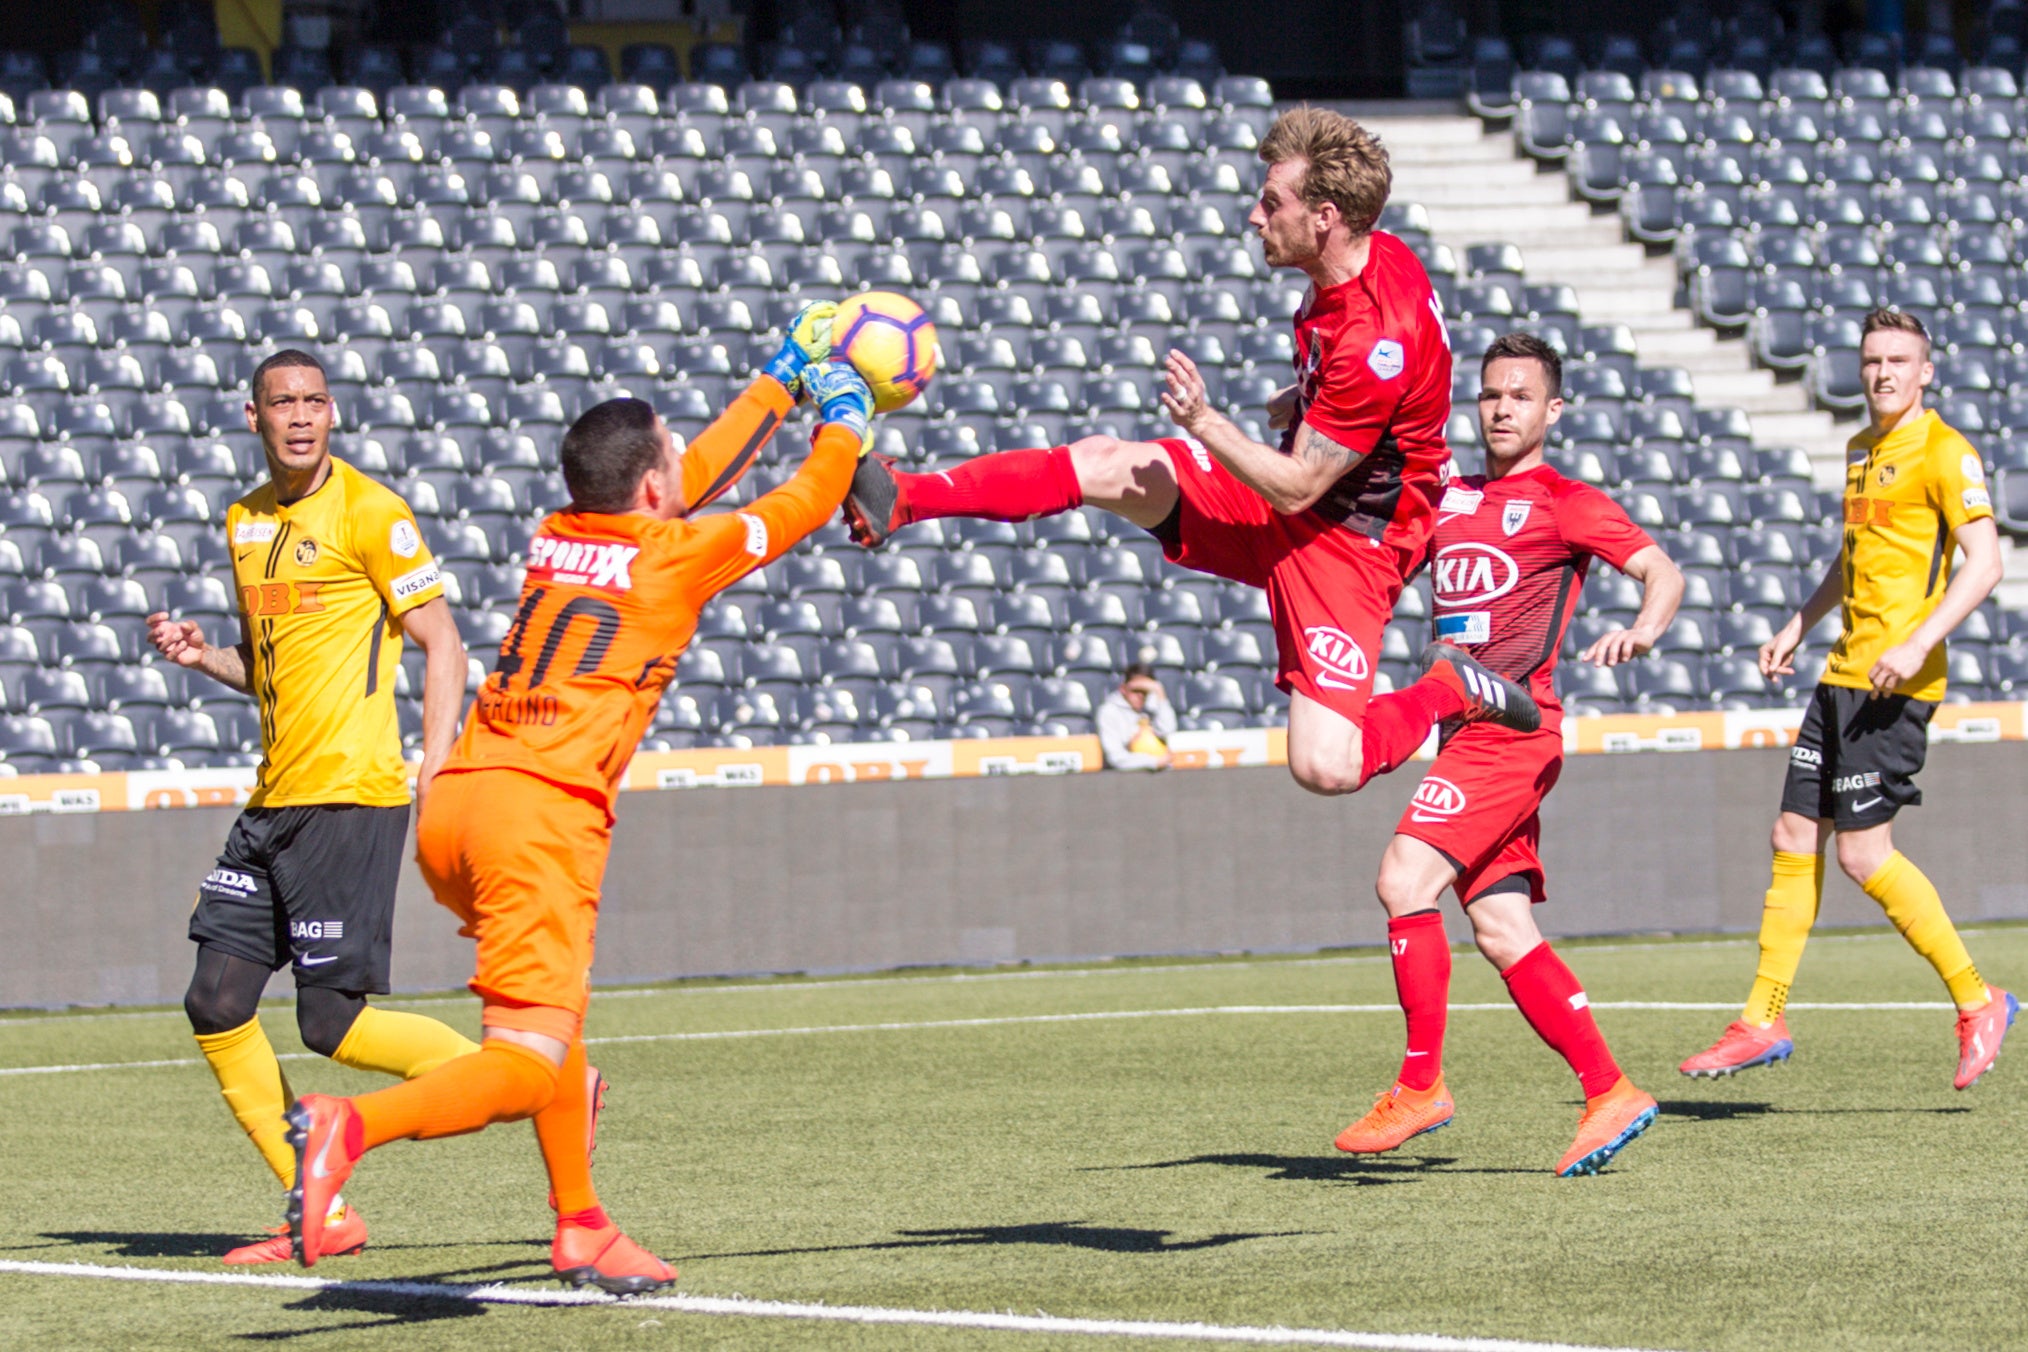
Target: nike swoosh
x,y
1429,817
242,556
1406,1055
1861,807
307,961
320,1167
1334,683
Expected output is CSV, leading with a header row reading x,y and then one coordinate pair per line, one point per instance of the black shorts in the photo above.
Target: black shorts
x,y
313,885
1856,758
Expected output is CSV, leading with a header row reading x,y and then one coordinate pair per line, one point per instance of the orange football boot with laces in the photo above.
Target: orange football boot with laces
x,y
1610,1122
1980,1033
1398,1114
599,1255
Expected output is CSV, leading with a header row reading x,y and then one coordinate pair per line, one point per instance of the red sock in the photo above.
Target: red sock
x,y
1397,724
1558,1010
1003,486
1422,978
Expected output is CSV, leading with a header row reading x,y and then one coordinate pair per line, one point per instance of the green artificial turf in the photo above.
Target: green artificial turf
x,y
1162,1168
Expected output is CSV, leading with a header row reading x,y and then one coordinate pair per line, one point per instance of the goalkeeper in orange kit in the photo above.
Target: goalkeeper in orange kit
x,y
514,836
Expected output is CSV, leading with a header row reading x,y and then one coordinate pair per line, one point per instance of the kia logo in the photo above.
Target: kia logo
x,y
1438,797
1472,573
1334,651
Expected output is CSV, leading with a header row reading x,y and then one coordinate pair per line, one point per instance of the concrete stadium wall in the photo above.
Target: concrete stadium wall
x,y
985,870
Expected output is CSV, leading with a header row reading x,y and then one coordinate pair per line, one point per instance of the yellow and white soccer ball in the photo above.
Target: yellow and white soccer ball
x,y
891,342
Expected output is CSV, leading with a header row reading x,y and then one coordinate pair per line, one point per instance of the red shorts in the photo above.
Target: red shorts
x,y
1330,589
1479,801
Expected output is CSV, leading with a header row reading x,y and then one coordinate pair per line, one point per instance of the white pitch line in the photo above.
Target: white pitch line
x,y
740,1307
1010,1020
847,983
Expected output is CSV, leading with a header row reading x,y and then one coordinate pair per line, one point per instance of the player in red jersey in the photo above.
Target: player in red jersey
x,y
1510,554
1332,521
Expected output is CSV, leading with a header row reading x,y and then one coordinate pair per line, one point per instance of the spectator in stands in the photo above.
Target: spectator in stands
x,y
1136,721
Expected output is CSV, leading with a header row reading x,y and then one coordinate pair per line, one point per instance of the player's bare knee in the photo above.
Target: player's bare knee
x,y
1327,781
1860,856
1103,468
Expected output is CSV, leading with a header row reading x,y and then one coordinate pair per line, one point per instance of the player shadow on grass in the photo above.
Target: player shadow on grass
x,y
1720,1110
398,1310
1071,1234
1362,1171
170,1244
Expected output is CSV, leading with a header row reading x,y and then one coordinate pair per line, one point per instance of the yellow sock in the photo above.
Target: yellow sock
x,y
1912,903
395,1043
1786,915
256,1091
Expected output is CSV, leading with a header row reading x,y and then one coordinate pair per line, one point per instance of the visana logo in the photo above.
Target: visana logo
x,y
1473,574
1344,665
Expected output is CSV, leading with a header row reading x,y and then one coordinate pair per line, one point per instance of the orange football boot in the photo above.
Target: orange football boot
x,y
319,1128
1741,1046
344,1233
1398,1114
599,1255
1610,1122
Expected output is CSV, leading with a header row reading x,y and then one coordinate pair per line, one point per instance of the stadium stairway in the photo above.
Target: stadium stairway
x,y
1478,188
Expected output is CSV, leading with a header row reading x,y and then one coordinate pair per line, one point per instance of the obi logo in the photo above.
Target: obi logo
x,y
589,563
316,929
1473,574
231,880
1436,799
1344,665
280,598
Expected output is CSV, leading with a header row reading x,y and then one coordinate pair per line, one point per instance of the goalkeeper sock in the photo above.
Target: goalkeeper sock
x,y
255,1089
396,1043
501,1082
563,1130
1787,913
1912,903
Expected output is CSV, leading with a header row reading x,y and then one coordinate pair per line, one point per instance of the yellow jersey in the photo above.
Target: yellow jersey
x,y
1905,494
322,582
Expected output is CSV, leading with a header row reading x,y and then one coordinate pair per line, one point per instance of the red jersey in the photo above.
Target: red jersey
x,y
1510,557
1373,373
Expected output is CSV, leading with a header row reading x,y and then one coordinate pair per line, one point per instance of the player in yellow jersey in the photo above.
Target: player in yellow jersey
x,y
1915,492
332,577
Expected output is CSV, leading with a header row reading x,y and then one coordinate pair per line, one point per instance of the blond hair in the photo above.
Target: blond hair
x,y
1345,164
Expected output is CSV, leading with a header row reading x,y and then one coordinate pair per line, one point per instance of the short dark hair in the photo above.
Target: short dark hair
x,y
1137,671
605,453
1899,321
1516,346
288,356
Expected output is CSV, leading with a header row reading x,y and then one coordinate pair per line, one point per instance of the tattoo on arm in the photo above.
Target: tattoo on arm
x,y
1320,453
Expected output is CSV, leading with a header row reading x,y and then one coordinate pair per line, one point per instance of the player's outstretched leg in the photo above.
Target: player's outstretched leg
x,y
1004,486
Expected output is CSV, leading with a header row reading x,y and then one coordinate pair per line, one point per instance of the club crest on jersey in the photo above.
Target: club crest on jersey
x,y
306,553
1470,573
1515,516
1436,799
1344,665
1887,473
587,563
1386,359
1309,361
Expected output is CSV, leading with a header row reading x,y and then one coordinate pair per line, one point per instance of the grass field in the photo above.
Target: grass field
x,y
943,1142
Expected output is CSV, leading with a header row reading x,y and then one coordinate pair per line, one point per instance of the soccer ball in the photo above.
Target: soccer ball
x,y
891,342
